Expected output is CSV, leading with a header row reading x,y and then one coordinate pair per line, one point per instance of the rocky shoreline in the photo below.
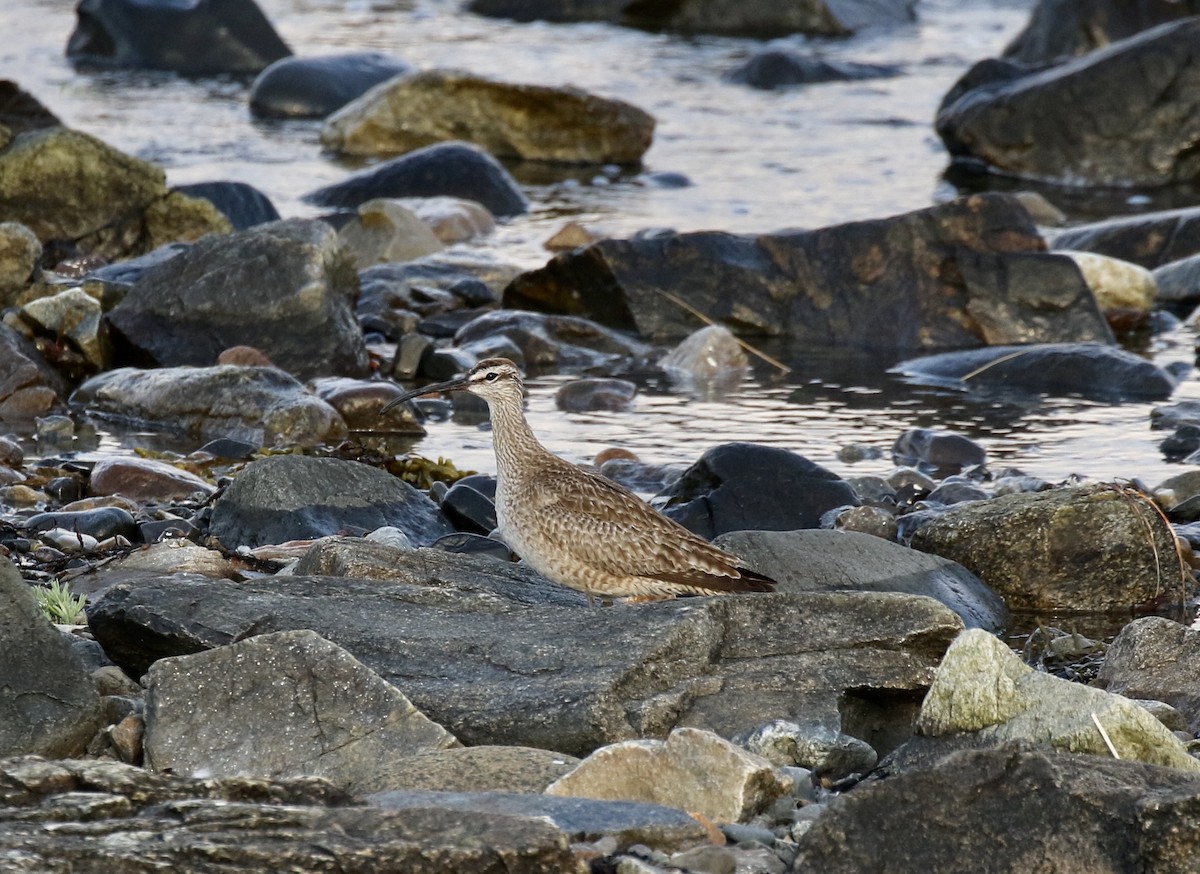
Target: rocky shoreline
x,y
291,646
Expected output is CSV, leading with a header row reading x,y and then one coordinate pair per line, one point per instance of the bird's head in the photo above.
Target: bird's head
x,y
493,379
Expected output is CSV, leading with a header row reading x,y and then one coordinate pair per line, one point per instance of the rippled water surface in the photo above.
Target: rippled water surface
x,y
759,161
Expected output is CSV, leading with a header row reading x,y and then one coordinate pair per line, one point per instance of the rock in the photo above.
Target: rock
x,y
454,169
1104,373
384,230
1062,29
1110,118
100,523
282,288
358,402
262,406
527,122
1178,283
48,705
72,316
984,690
777,68
939,452
747,487
548,341
243,204
146,480
572,235
470,504
20,253
832,561
1122,288
21,110
708,363
293,497
693,770
139,820
1149,239
582,819
290,704
198,38
1156,658
494,671
1091,548
761,20
29,386
452,219
588,395
481,769
829,754
314,87
966,273
1086,814
171,556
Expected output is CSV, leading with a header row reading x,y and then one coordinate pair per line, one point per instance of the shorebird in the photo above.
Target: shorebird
x,y
578,528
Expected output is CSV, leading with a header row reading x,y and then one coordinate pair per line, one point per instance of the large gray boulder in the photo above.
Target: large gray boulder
x,y
971,272
494,671
1062,29
283,288
48,704
1156,658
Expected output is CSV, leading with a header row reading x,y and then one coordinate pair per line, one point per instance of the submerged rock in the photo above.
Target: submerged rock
x,y
1150,239
314,87
708,363
243,204
778,68
384,230
548,341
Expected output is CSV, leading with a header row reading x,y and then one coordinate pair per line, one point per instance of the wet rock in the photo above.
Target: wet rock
x,y
1124,291
872,521
1150,239
778,68
358,402
494,671
747,487
482,769
1109,118
452,219
1092,548
572,235
243,204
1062,29
587,395
938,452
259,405
101,522
582,819
454,169
72,316
892,279
282,288
21,111
290,704
1087,814
528,122
985,692
136,819
957,493
48,705
693,770
548,341
29,386
1156,658
201,38
314,87
829,754
709,363
1106,373
293,497
471,504
763,20
384,230
146,480
20,253
829,561
1178,283
474,544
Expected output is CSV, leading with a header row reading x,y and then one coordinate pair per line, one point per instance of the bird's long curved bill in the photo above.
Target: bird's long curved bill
x,y
456,384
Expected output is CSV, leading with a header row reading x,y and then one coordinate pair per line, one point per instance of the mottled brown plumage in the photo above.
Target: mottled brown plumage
x,y
578,528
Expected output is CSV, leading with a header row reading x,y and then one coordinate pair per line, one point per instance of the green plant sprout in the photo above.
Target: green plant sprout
x,y
57,602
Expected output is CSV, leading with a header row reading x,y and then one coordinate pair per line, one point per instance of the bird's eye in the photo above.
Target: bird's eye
x,y
491,377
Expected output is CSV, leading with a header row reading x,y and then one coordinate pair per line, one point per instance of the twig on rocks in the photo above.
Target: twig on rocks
x,y
758,353
1104,734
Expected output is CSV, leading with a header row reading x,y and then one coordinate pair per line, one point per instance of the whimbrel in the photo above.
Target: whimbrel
x,y
580,529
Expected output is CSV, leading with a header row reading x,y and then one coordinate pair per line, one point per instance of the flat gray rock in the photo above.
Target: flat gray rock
x,y
483,769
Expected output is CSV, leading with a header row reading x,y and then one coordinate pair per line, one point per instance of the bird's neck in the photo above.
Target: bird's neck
x,y
514,441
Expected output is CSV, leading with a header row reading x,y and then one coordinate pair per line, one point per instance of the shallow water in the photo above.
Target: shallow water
x,y
758,161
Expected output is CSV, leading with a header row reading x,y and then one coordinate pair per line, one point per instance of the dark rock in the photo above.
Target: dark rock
x,y
829,561
777,68
158,530
358,402
195,38
951,276
941,452
549,341
1151,239
340,720
493,671
747,487
1179,283
1110,118
1087,814
29,386
587,395
1156,658
473,544
470,504
280,288
582,819
315,87
957,493
294,497
48,705
1089,370
1089,548
243,204
454,169
101,523
21,111
112,818
1061,29
252,406
1181,444
146,480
